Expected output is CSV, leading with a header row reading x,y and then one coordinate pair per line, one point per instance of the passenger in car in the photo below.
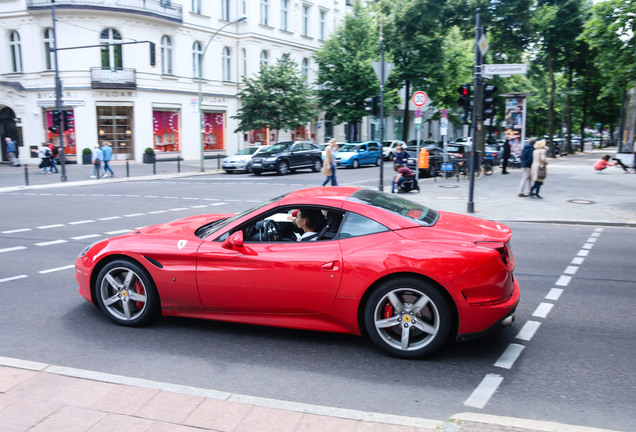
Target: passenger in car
x,y
311,221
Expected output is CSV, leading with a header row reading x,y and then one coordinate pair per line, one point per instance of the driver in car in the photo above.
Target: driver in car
x,y
311,221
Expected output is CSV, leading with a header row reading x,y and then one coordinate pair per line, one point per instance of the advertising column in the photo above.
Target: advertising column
x,y
516,123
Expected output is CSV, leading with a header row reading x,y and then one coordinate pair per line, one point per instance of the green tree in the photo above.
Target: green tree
x,y
345,72
278,97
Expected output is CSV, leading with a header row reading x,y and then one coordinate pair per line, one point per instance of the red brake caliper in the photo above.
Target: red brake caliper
x,y
139,287
388,311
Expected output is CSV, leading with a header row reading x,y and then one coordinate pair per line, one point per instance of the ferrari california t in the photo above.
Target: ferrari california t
x,y
375,264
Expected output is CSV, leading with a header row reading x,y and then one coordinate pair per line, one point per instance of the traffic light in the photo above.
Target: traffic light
x,y
489,101
66,120
464,101
57,117
371,105
54,130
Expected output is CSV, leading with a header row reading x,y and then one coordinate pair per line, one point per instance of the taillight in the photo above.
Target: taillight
x,y
501,247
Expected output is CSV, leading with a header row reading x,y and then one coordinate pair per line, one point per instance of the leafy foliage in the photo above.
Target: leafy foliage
x,y
278,97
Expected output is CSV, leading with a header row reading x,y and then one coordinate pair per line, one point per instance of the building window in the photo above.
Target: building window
x,y
321,33
213,131
244,62
165,129
196,6
305,20
166,55
114,124
227,64
284,14
265,12
225,10
49,56
305,70
197,58
16,52
264,58
111,54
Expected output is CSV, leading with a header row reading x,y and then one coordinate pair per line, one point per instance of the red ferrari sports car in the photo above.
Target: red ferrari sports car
x,y
374,264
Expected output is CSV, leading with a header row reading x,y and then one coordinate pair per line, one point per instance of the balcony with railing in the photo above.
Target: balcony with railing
x,y
117,78
164,9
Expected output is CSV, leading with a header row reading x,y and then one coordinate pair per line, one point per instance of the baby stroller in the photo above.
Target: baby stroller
x,y
409,184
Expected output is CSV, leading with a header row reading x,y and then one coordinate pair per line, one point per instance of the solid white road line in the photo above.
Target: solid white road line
x,y
528,330
11,249
554,294
484,391
57,269
53,242
16,231
12,278
543,310
509,356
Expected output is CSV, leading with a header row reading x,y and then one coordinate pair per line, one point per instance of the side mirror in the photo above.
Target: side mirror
x,y
235,241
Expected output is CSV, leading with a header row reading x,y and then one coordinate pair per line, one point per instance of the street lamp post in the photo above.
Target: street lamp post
x,y
236,21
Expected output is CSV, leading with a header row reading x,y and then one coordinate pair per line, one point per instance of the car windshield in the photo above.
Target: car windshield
x,y
247,151
208,229
349,148
386,143
276,148
395,204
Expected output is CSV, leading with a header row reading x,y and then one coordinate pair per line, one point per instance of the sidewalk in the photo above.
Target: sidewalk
x,y
37,397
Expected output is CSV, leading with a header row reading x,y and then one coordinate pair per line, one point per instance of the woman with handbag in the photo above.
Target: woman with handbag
x,y
539,168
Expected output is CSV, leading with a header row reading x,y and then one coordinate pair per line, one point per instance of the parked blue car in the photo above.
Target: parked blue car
x,y
354,154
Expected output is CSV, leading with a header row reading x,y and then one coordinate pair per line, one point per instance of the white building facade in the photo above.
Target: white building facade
x,y
112,92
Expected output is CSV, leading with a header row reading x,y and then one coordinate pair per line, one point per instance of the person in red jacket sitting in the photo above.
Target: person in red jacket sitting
x,y
601,164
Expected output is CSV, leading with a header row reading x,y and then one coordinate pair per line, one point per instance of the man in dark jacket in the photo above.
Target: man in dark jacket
x,y
526,163
505,157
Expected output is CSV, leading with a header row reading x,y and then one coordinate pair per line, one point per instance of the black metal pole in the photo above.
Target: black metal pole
x,y
127,169
476,80
26,174
58,96
381,184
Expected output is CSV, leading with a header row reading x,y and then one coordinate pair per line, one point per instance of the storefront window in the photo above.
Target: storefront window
x,y
213,131
114,125
166,131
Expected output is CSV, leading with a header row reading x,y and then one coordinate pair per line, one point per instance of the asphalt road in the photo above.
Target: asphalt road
x,y
576,368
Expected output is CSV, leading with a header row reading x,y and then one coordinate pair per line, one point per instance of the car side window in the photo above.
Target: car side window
x,y
356,225
373,147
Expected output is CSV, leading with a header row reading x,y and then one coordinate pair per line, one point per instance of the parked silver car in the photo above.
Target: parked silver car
x,y
239,162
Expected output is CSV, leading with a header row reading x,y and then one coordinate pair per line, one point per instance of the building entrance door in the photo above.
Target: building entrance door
x,y
115,125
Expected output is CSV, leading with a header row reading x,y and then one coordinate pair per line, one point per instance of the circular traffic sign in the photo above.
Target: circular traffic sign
x,y
419,98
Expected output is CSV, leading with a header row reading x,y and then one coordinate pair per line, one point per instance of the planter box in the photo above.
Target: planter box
x,y
86,159
149,158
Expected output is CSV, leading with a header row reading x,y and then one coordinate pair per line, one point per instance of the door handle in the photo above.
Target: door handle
x,y
331,265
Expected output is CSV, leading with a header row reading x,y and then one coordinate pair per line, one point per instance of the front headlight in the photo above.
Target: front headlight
x,y
270,159
86,249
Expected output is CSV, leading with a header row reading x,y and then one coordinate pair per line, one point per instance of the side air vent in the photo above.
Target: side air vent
x,y
154,262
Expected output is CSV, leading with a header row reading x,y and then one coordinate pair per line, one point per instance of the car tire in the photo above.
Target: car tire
x,y
126,294
355,164
390,156
256,172
377,162
412,304
317,166
282,168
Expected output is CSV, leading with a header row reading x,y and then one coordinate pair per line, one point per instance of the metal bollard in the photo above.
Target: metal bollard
x,y
218,161
154,166
127,169
179,164
26,174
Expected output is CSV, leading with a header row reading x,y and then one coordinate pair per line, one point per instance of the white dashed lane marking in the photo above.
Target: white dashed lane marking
x,y
12,249
50,226
528,330
510,356
52,242
87,236
554,294
484,391
563,280
543,310
16,231
57,269
12,278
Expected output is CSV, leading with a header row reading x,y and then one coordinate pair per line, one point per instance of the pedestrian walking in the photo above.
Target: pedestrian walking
x,y
107,151
506,156
96,159
526,163
539,168
329,164
54,153
12,152
45,156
